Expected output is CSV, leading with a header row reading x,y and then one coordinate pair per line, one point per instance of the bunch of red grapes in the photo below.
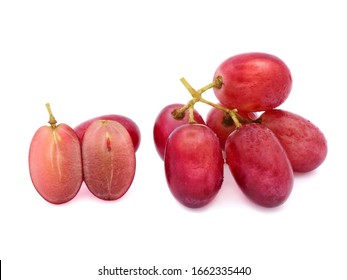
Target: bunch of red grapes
x,y
263,146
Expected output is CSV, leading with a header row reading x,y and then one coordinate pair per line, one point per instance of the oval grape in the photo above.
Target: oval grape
x,y
108,159
193,164
259,165
305,145
55,163
253,82
128,123
165,123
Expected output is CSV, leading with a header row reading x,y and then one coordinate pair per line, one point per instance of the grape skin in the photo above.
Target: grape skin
x,y
193,165
253,82
165,123
259,165
305,144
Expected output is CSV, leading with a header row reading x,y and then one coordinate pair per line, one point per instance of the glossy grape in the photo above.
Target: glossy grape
x,y
128,123
108,159
165,123
193,165
253,82
55,163
222,124
259,165
305,144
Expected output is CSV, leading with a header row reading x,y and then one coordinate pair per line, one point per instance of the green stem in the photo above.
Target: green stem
x,y
196,94
52,121
178,114
191,115
192,91
215,105
217,83
233,113
236,121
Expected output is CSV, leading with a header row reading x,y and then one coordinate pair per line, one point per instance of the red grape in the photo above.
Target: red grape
x,y
259,165
253,82
193,164
222,124
165,123
55,163
305,144
108,159
128,123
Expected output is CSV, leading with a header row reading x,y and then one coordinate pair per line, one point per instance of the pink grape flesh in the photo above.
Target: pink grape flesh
x,y
108,159
55,163
128,123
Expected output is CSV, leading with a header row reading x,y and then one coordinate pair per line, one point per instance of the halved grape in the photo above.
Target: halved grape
x,y
108,159
55,163
128,123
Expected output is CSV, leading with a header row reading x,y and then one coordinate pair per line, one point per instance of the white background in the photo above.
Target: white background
x,y
89,58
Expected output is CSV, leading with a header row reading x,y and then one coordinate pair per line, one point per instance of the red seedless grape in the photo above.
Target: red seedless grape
x,y
108,159
222,124
253,82
305,144
165,123
55,163
128,123
193,164
259,165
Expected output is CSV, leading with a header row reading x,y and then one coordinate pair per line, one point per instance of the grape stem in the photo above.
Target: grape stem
x,y
197,97
52,121
191,115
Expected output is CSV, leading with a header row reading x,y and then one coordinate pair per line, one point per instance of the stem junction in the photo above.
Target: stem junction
x,y
197,97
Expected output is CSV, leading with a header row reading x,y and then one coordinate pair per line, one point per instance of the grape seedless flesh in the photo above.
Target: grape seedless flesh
x,y
263,146
99,151
108,159
55,161
128,123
